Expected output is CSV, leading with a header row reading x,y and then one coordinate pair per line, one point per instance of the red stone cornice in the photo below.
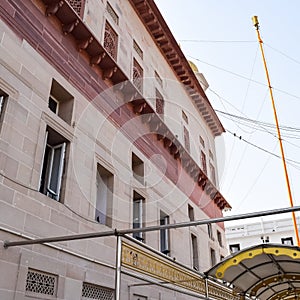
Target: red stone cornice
x,y
88,44
164,39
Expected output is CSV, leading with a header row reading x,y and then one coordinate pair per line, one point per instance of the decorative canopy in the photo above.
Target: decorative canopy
x,y
265,272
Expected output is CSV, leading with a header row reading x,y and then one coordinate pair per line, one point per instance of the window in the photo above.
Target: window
x,y
137,168
202,141
186,137
234,248
137,76
138,49
265,239
164,234
104,196
209,231
287,241
158,79
110,43
138,215
213,256
53,164
212,173
112,13
184,117
191,213
160,103
3,100
195,252
61,102
221,257
203,162
219,236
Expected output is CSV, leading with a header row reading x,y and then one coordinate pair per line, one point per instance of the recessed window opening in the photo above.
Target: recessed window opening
x,y
203,162
186,137
138,215
112,13
164,234
212,173
61,102
213,256
159,103
184,117
195,252
287,241
219,236
137,166
53,164
104,196
138,49
191,213
234,248
3,100
209,231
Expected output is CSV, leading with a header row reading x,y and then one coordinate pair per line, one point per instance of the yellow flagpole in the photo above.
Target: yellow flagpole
x,y
256,25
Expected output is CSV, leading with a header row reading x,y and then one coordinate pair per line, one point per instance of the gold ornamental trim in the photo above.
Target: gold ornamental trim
x,y
149,264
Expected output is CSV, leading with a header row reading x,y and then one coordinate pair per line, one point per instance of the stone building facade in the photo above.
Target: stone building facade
x,y
103,125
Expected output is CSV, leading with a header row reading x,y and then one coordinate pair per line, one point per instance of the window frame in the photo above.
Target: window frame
x,y
138,212
103,209
46,173
3,105
164,234
287,239
232,248
195,252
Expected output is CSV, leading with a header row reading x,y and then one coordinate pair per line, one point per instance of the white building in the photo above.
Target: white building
x,y
278,231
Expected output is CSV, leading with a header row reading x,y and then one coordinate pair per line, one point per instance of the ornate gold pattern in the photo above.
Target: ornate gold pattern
x,y
152,265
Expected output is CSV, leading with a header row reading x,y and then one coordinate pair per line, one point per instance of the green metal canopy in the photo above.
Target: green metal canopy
x,y
265,272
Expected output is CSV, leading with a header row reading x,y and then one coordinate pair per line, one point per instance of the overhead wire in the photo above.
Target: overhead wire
x,y
291,161
282,53
257,177
265,129
244,77
245,148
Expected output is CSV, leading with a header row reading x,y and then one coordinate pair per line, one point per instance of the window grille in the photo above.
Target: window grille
x,y
41,283
159,103
211,155
203,162
112,13
138,49
137,76
92,291
76,5
212,173
110,41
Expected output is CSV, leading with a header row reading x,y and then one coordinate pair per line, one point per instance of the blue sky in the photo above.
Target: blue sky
x,y
218,36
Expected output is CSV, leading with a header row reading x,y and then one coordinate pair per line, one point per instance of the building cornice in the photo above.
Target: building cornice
x,y
165,41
